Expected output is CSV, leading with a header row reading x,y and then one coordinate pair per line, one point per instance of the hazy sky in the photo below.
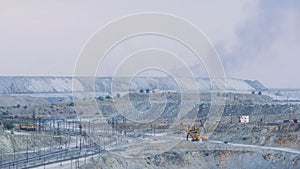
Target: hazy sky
x,y
257,40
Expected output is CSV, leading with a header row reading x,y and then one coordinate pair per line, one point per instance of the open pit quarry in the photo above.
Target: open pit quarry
x,y
50,130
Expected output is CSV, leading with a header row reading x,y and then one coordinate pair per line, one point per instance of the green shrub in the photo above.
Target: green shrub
x,y
8,125
108,97
100,98
4,114
71,104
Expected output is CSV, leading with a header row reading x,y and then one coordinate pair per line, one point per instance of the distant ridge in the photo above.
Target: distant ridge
x,y
51,84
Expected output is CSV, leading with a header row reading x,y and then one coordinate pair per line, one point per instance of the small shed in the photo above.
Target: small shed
x,y
244,119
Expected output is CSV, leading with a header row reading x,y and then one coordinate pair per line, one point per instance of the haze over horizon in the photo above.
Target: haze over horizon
x,y
256,40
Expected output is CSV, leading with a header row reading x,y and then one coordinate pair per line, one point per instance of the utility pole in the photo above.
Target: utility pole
x,y
289,106
61,159
73,125
58,132
40,124
76,141
79,144
80,128
40,153
89,126
264,118
51,143
1,159
27,150
50,123
154,131
44,163
14,155
66,148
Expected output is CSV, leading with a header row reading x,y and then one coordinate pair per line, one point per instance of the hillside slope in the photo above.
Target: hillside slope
x,y
37,85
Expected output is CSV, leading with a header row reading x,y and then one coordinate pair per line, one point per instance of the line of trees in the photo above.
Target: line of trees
x,y
146,90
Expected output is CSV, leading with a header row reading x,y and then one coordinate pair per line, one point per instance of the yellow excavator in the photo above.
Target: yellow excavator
x,y
195,133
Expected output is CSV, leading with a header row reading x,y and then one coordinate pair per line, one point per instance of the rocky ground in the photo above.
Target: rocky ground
x,y
20,142
276,134
193,155
263,130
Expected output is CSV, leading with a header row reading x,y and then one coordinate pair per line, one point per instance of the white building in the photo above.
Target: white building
x,y
244,119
